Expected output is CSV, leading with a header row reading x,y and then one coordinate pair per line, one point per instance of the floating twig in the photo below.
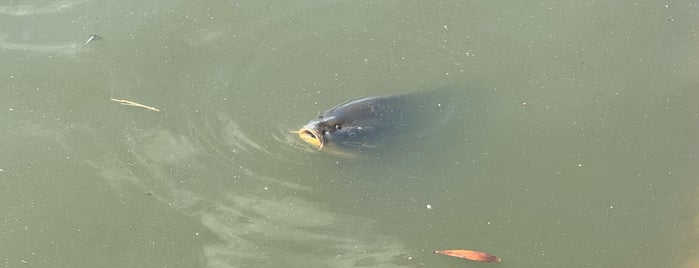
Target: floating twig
x,y
131,103
91,38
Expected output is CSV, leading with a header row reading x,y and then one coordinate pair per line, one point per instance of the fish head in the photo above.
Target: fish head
x,y
317,131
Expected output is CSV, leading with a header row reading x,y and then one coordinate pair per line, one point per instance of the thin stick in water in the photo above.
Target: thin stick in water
x,y
131,103
92,37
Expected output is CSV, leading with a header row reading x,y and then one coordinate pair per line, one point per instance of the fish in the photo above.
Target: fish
x,y
373,123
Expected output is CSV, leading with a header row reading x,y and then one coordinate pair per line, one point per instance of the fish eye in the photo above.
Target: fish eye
x,y
337,126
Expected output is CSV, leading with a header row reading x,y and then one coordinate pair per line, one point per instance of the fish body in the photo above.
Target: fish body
x,y
377,122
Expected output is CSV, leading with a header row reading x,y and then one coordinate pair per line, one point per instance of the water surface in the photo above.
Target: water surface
x,y
576,146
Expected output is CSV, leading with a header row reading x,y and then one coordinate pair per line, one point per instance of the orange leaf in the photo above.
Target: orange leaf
x,y
469,255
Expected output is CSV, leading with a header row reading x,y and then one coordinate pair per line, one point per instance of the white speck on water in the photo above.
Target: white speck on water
x,y
429,206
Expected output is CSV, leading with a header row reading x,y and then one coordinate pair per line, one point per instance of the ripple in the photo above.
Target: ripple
x,y
36,9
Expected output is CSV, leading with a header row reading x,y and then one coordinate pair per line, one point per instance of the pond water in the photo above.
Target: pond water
x,y
576,142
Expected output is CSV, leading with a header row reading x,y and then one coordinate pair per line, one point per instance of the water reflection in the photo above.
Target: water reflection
x,y
57,48
40,7
257,219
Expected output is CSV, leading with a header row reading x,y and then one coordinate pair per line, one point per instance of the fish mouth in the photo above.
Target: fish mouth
x,y
311,136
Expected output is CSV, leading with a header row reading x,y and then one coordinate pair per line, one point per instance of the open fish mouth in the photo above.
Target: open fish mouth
x,y
311,136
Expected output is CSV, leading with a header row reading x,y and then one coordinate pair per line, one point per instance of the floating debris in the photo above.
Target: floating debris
x,y
92,37
469,255
131,103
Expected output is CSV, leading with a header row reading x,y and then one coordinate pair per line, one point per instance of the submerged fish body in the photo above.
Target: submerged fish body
x,y
376,122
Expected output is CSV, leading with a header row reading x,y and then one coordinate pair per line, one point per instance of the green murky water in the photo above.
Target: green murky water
x,y
577,145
